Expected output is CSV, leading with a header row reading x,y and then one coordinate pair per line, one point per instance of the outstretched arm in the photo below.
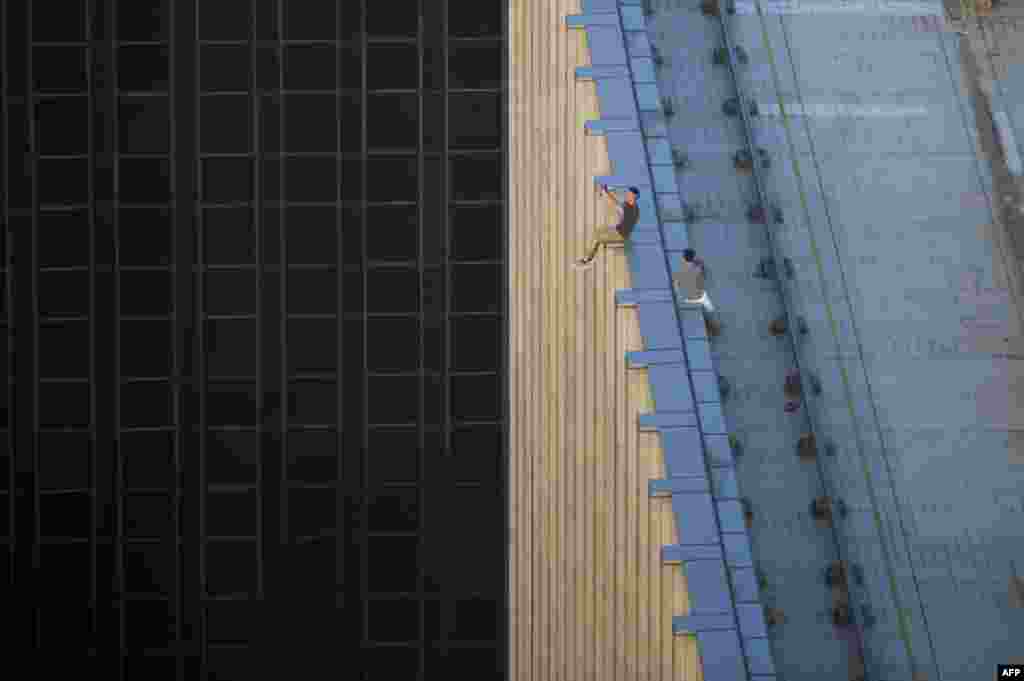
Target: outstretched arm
x,y
610,195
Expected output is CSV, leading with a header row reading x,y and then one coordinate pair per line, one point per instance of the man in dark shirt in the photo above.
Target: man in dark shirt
x,y
628,213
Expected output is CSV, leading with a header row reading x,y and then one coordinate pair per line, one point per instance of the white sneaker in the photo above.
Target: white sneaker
x,y
583,263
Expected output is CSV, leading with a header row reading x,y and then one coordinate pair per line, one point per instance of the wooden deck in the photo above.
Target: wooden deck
x,y
590,597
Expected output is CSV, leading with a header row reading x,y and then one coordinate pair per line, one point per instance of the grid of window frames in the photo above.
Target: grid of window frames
x,y
330,313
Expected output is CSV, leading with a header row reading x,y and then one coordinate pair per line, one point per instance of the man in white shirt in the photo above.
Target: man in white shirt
x,y
690,280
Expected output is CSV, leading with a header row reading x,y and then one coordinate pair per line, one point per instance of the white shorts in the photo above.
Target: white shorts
x,y
703,300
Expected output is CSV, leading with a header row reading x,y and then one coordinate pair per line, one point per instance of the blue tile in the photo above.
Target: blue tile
x,y
647,263
751,617
599,6
697,622
721,656
695,518
730,517
659,327
660,419
638,44
594,19
668,387
668,486
718,450
648,97
632,296
726,486
682,451
707,584
616,97
602,72
646,234
670,208
604,126
660,151
648,215
626,151
692,319
643,70
664,179
698,354
677,237
737,546
674,554
705,385
633,18
711,418
638,359
653,124
759,656
744,584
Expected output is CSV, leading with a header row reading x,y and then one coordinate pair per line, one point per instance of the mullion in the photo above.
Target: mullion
x,y
118,472
422,383
364,455
9,281
94,449
281,482
190,342
255,121
32,479
446,415
341,519
504,474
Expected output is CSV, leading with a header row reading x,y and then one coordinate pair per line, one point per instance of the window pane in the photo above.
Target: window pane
x,y
62,125
476,233
480,120
474,65
392,290
144,124
144,236
60,69
224,19
476,343
143,20
391,179
310,67
229,346
58,20
393,399
391,233
476,398
144,68
392,67
230,236
311,123
477,178
63,238
477,288
224,67
398,18
393,344
224,124
393,122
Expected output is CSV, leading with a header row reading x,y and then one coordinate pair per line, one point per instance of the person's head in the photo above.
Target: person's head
x,y
689,254
632,194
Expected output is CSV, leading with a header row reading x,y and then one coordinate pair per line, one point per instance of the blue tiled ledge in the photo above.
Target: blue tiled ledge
x,y
726,615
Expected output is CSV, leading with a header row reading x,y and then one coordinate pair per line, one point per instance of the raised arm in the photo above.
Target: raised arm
x,y
610,195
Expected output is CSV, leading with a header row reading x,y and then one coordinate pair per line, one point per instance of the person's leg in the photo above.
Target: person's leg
x,y
602,237
706,302
714,328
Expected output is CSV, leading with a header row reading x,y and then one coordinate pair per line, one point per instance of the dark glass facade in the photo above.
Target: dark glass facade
x,y
255,312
